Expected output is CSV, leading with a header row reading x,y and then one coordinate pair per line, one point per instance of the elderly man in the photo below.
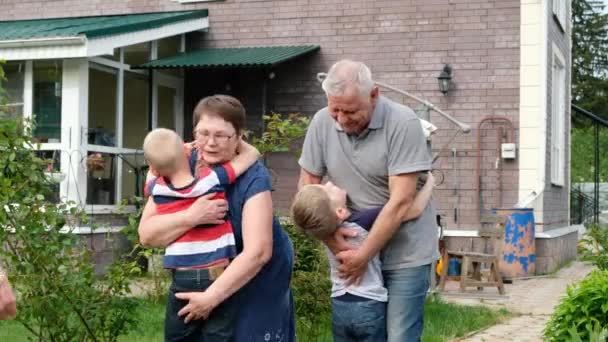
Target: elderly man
x,y
8,306
374,148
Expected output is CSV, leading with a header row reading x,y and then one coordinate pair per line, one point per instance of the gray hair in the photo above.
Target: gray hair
x,y
346,73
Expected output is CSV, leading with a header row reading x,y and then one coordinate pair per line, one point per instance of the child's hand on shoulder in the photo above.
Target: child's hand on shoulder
x,y
431,179
245,147
189,146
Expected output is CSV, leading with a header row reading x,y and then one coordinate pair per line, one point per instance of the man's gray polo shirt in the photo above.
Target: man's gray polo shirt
x,y
392,144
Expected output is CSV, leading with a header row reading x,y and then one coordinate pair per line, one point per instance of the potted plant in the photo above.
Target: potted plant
x,y
50,172
96,162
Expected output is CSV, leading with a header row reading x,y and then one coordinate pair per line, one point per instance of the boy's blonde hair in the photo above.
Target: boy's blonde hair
x,y
313,212
162,149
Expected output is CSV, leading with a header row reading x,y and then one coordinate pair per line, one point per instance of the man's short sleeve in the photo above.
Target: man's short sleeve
x,y
408,151
313,156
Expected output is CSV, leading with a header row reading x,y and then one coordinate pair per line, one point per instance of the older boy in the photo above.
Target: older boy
x,y
358,310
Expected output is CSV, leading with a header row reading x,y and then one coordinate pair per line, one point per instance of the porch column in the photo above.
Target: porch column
x,y
74,124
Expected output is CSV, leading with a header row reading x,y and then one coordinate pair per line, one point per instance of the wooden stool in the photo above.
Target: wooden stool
x,y
470,274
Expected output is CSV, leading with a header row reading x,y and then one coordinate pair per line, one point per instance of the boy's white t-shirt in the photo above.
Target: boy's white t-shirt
x,y
372,283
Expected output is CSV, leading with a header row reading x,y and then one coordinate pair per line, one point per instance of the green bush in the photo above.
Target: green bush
x,y
148,260
594,334
583,311
311,286
59,297
280,132
593,247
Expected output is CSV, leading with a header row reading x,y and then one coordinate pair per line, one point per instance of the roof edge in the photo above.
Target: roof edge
x,y
195,14
157,64
77,40
311,49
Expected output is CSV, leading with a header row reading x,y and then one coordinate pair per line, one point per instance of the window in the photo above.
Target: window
x,y
137,54
101,180
47,100
133,174
560,9
103,83
166,107
52,160
113,160
558,117
135,117
13,87
106,143
170,47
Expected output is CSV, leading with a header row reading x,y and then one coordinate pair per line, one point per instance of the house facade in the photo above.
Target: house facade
x,y
96,93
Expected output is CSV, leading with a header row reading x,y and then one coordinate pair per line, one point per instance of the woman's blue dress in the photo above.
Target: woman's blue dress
x,y
266,311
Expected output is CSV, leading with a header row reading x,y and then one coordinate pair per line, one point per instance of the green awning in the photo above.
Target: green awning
x,y
241,57
91,27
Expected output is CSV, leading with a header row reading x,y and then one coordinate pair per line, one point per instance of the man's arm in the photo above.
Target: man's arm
x,y
307,178
402,190
422,199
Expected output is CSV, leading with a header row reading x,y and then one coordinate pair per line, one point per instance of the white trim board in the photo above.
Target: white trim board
x,y
101,209
85,230
73,47
551,234
532,105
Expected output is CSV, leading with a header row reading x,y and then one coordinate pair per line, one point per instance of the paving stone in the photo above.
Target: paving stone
x,y
533,300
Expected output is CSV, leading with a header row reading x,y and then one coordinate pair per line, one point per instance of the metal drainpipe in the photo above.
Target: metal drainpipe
x,y
498,165
150,99
478,164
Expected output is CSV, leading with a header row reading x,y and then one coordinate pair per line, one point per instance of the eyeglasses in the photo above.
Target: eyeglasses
x,y
203,137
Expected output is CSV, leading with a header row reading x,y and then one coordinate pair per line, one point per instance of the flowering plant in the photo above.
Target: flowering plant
x,y
96,162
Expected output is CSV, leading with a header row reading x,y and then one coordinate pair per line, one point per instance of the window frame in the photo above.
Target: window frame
x,y
158,79
65,142
16,104
195,1
559,10
558,117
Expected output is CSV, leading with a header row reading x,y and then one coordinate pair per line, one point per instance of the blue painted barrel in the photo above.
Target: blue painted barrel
x,y
454,267
518,251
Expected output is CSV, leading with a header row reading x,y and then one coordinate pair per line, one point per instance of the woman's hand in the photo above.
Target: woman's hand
x,y
8,304
206,210
200,305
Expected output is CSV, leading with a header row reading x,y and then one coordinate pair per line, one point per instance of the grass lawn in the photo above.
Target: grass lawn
x,y
443,321
151,318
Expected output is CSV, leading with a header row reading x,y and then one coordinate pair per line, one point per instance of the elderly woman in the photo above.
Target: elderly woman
x,y
260,275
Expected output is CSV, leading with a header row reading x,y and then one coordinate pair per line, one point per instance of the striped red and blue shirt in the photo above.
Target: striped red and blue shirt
x,y
204,245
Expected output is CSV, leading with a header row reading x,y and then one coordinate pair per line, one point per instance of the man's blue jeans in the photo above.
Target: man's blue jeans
x,y
360,321
407,290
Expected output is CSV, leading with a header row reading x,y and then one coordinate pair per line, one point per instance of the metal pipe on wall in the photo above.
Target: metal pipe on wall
x,y
491,118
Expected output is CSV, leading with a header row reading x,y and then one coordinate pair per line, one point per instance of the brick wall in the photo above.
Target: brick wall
x,y
405,42
556,198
